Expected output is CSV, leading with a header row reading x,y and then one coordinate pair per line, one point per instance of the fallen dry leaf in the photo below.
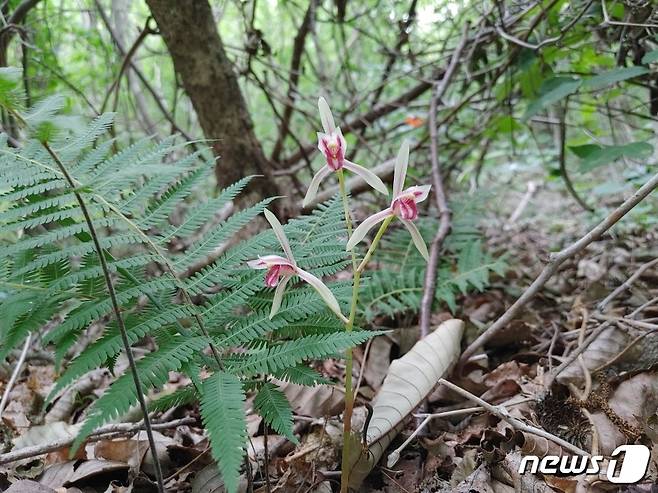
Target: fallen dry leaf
x,y
410,379
321,400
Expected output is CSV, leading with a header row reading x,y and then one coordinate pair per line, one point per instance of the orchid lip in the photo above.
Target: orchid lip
x,y
274,274
333,146
405,207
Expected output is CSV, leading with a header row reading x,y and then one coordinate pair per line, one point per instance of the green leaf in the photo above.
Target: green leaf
x,y
613,76
222,410
12,95
552,91
291,353
275,409
594,155
650,57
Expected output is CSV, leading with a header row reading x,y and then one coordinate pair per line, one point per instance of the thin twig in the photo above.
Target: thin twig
x,y
620,289
502,413
98,434
556,260
633,323
581,360
16,372
145,82
607,20
116,83
598,331
362,370
523,203
429,285
295,63
563,159
394,456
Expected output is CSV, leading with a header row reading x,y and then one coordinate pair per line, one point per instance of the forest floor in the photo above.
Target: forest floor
x,y
608,396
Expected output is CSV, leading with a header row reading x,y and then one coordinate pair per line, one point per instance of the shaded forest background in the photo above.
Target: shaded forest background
x,y
534,121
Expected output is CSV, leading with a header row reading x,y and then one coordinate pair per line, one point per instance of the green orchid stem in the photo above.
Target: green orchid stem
x,y
349,393
346,208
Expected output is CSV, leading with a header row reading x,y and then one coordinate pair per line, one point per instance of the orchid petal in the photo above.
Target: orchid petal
x,y
418,239
315,184
419,192
267,261
401,163
280,234
322,136
278,295
371,178
324,292
326,116
362,230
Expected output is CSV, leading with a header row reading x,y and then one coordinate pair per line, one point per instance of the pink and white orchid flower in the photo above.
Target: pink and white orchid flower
x,y
333,147
281,269
404,206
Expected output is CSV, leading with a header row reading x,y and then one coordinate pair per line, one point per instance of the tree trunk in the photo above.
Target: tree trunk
x,y
190,33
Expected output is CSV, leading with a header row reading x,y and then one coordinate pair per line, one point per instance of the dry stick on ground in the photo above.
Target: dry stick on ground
x,y
502,413
429,286
98,434
556,260
16,372
638,273
394,456
523,203
585,344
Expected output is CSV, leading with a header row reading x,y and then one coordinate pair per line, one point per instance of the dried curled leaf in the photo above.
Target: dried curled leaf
x,y
321,400
410,379
603,349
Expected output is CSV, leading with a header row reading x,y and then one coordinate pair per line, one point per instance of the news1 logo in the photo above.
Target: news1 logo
x,y
633,467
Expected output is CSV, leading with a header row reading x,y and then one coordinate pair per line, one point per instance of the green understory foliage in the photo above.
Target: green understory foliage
x,y
397,286
52,283
180,276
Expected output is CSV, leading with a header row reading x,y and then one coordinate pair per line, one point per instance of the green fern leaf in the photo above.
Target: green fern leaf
x,y
222,410
153,370
275,409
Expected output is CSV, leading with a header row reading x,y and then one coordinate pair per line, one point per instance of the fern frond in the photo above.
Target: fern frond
x,y
202,213
153,371
70,150
92,310
275,409
297,304
179,397
291,353
220,234
222,410
111,344
301,375
23,313
53,236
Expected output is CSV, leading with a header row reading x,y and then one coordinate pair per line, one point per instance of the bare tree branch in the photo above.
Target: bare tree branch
x,y
556,260
429,285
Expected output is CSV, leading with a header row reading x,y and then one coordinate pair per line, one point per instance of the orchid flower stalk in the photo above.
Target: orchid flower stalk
x,y
281,269
403,206
333,147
